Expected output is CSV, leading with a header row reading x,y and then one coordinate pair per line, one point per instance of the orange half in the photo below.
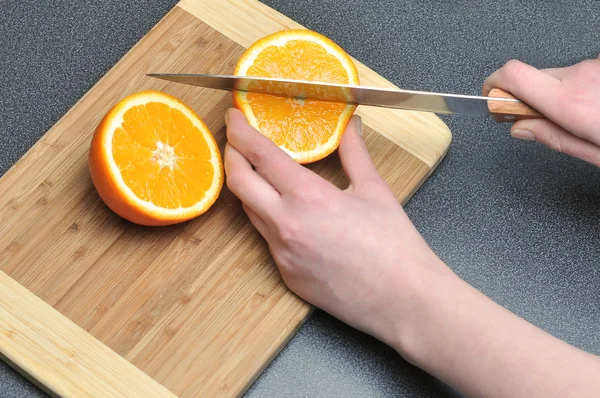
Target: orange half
x,y
153,161
307,130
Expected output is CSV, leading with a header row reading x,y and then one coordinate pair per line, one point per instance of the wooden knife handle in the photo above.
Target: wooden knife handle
x,y
503,111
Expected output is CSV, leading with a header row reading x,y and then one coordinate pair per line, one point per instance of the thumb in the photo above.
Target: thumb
x,y
555,137
355,158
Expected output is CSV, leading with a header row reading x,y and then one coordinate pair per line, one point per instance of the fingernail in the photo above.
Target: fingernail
x,y
522,134
358,124
227,117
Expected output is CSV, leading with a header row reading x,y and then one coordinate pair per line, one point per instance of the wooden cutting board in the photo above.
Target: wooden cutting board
x,y
196,309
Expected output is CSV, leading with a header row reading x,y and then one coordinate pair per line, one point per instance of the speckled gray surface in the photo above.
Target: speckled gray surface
x,y
517,221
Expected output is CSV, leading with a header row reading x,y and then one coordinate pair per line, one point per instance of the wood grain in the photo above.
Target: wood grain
x,y
27,325
508,112
200,306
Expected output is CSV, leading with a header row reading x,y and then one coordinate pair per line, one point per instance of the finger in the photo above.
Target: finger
x,y
256,220
530,85
270,161
247,185
554,137
355,158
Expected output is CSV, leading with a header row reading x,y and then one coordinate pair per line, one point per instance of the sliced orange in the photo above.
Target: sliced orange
x,y
153,161
307,130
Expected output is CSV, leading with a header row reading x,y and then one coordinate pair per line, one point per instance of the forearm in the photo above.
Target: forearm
x,y
473,344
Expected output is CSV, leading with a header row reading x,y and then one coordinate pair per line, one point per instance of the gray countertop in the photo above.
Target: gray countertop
x,y
519,222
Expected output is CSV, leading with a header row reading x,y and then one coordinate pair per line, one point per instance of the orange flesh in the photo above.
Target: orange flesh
x,y
297,124
159,159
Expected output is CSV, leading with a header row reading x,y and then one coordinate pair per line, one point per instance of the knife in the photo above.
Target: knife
x,y
502,106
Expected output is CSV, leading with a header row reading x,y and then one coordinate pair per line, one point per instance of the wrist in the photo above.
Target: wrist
x,y
423,299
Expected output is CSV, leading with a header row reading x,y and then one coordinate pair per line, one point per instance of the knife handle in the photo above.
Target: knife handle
x,y
503,111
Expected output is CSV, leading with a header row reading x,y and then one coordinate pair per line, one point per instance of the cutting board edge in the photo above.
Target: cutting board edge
x,y
58,352
311,309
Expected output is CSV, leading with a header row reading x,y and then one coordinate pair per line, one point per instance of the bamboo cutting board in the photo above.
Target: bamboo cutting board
x,y
91,305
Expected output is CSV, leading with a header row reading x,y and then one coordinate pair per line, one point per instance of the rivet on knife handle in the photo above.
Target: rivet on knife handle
x,y
503,111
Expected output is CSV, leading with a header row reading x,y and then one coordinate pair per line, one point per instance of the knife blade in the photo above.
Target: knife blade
x,y
500,104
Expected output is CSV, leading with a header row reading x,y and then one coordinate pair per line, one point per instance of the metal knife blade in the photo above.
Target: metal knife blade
x,y
468,105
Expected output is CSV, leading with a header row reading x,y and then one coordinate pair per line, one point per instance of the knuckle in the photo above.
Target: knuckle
x,y
257,156
362,152
288,230
555,142
514,69
234,182
309,195
552,141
